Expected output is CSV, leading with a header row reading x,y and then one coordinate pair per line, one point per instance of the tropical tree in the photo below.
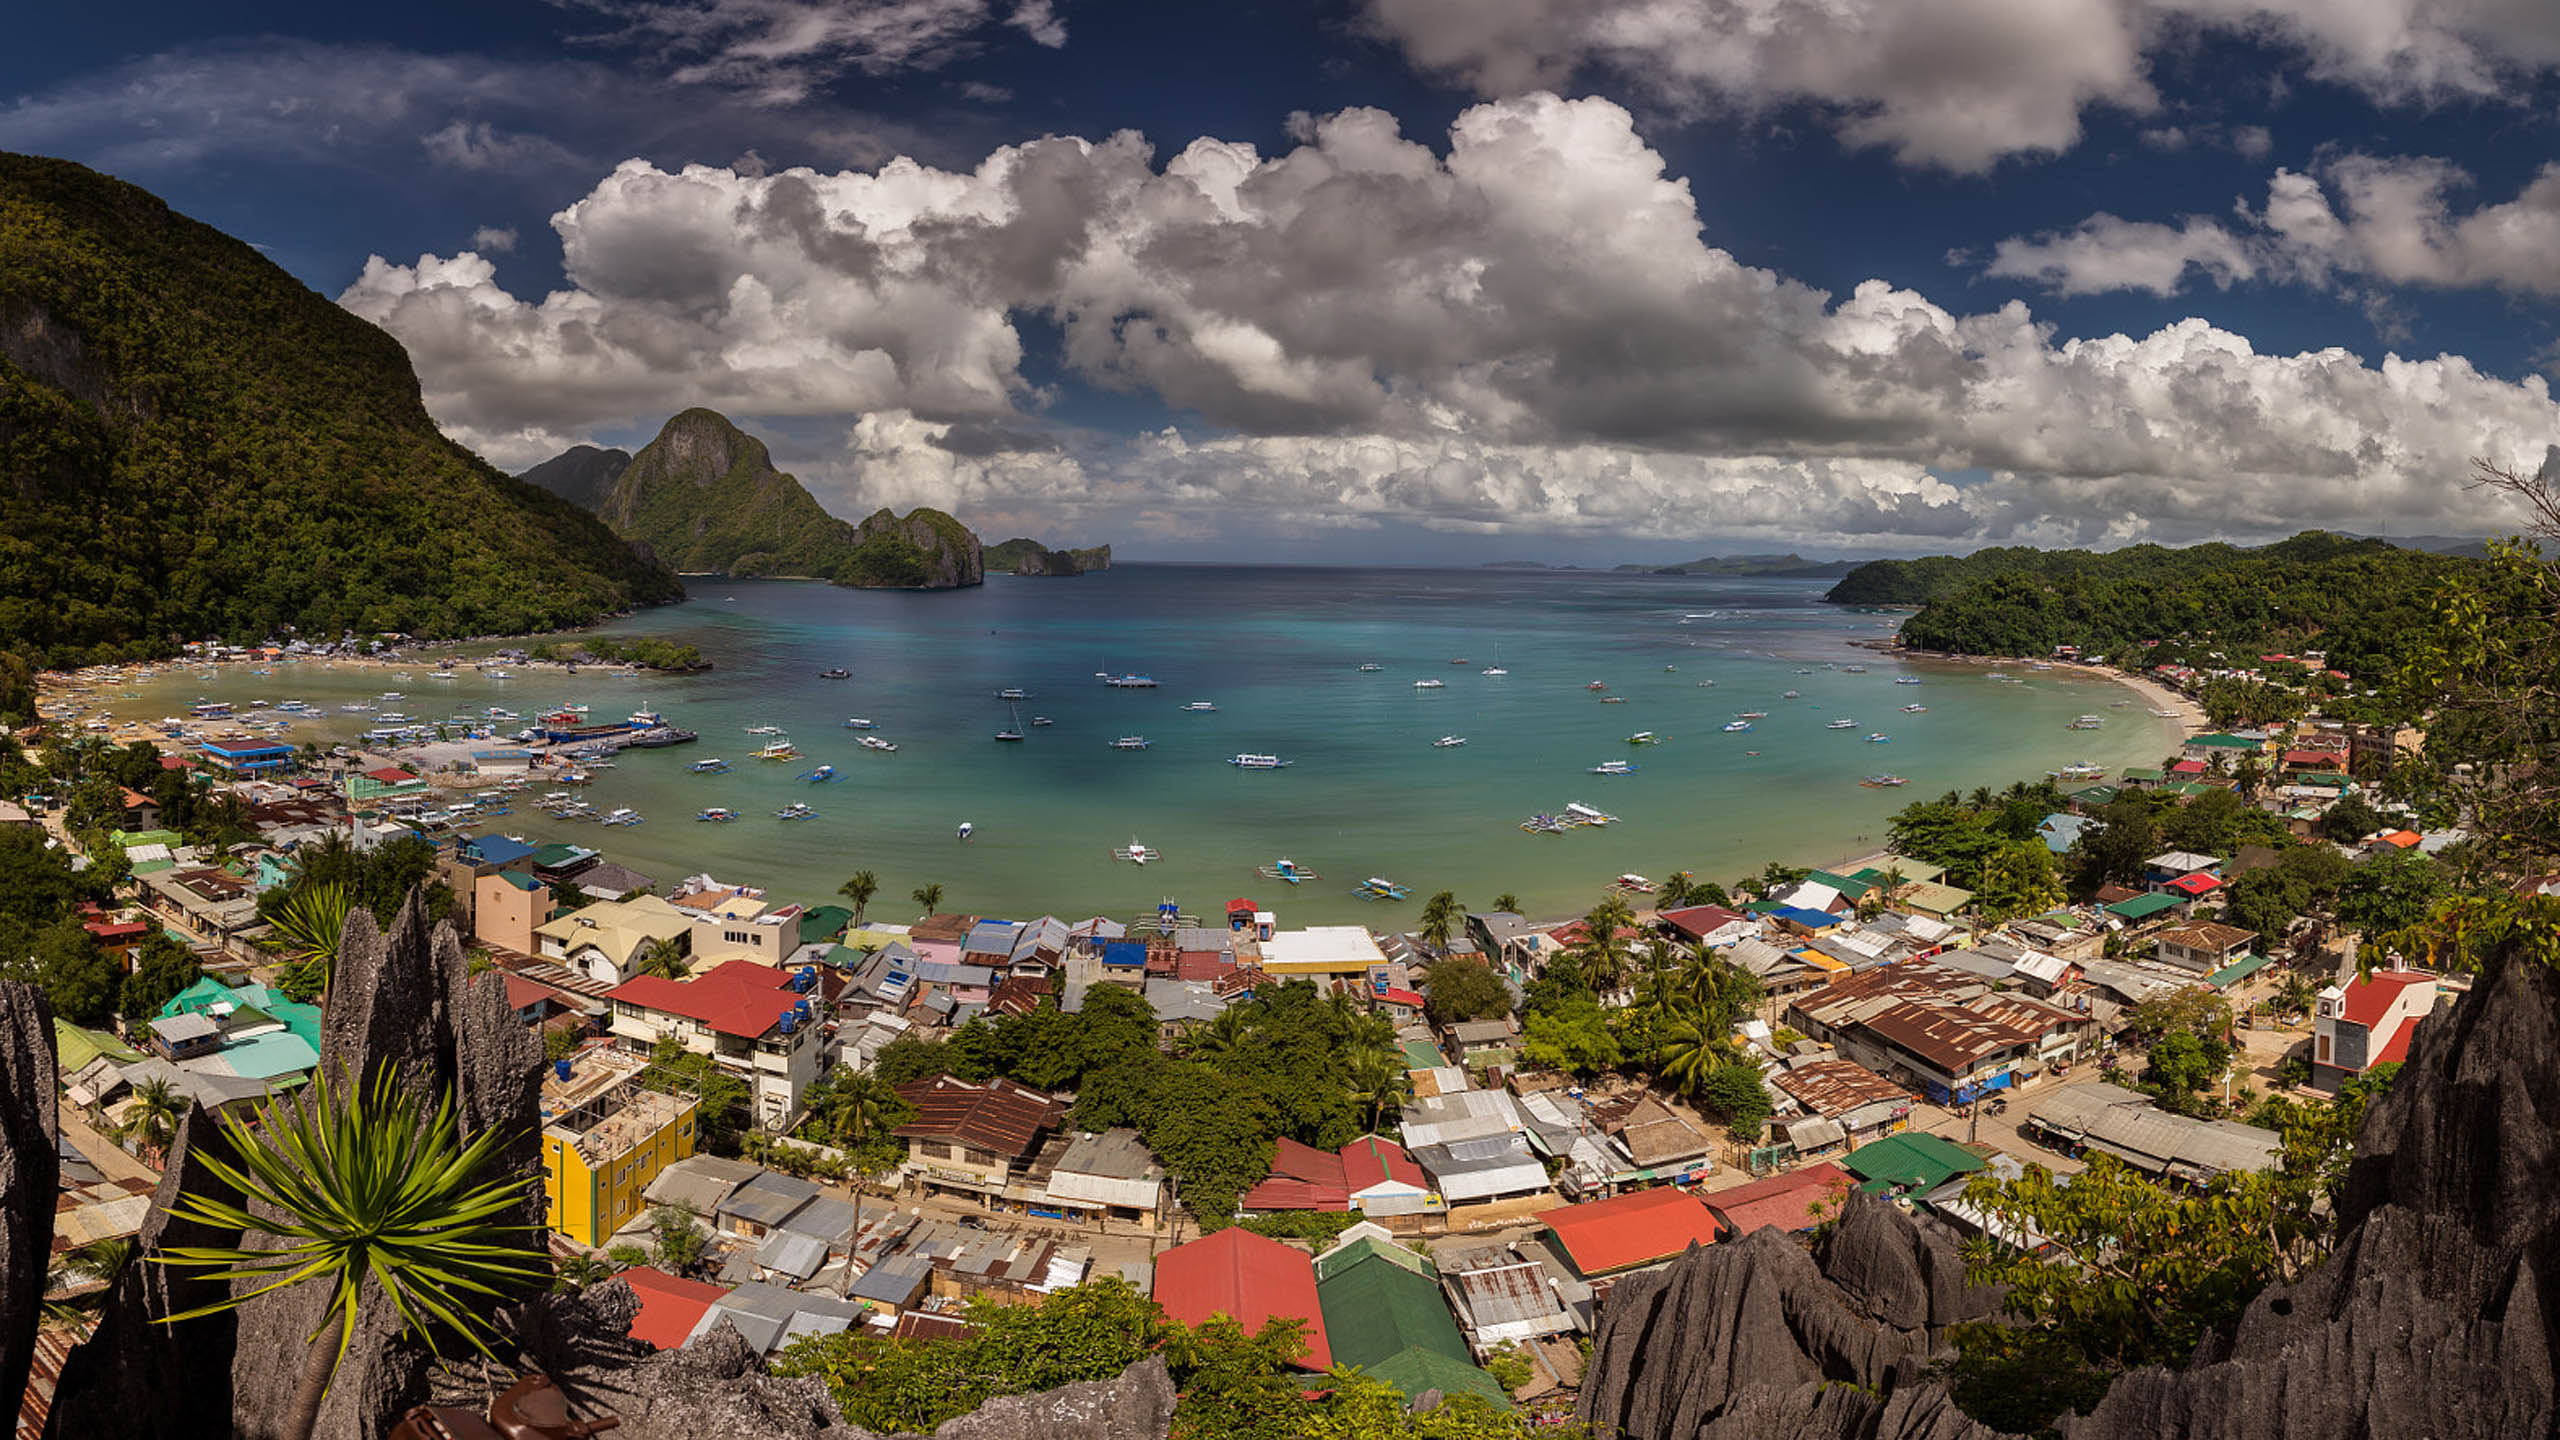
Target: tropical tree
x,y
1222,1038
580,1271
1675,891
95,1265
660,957
1692,1048
1440,917
928,895
364,1188
151,1120
1507,903
1606,955
681,1242
308,928
1378,1081
859,888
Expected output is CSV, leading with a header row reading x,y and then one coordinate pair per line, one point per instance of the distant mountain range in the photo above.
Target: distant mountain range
x,y
1030,557
1775,566
194,443
705,498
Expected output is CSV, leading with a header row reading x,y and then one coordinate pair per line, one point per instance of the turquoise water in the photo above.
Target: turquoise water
x,y
1277,650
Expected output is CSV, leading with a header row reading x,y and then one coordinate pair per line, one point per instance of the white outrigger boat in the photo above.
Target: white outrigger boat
x,y
1736,727
1202,707
1430,685
1131,742
622,817
1250,761
1582,814
1378,887
796,810
1844,723
1287,871
858,723
711,767
1448,742
720,814
1644,737
1136,853
874,742
1633,884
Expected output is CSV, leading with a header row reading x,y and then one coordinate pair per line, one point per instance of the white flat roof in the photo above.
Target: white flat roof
x,y
1321,947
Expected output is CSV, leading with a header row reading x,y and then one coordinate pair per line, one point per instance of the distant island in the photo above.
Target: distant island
x,y
1773,566
705,498
1030,557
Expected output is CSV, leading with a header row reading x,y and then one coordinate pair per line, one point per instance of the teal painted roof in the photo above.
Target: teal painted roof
x,y
2237,971
1415,1370
1914,1159
2143,907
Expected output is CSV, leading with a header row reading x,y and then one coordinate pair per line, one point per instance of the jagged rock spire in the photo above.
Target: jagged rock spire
x,y
30,1173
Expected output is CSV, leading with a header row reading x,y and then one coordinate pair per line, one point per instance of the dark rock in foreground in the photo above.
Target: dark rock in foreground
x,y
30,1173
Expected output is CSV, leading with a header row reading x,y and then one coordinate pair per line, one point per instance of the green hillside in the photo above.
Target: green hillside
x,y
705,498
1029,557
2354,599
193,443
582,474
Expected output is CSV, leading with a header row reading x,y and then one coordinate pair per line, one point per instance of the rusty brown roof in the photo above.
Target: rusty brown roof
x,y
1833,1088
1948,1036
1002,1115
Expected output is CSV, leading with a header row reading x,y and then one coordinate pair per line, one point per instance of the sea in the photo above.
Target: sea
x,y
1593,658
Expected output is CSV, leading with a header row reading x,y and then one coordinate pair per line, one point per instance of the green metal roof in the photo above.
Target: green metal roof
x,y
822,922
1334,1262
1423,1055
1375,1307
1914,1159
2224,742
2136,772
2096,795
74,1047
1850,886
2237,971
2143,907
1415,1369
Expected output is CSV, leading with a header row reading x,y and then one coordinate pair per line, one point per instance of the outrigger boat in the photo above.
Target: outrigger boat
x,y
1136,853
719,813
1544,825
1843,723
1879,738
710,767
874,742
1613,699
1736,727
2087,722
1430,685
1378,887
858,724
1202,707
796,810
622,817
2080,770
1131,742
1448,742
1287,871
1125,682
1614,767
836,673
779,750
1792,695
1371,668
1013,692
1915,709
1644,737
1883,782
1633,884
1250,761
1906,679
1582,814
821,775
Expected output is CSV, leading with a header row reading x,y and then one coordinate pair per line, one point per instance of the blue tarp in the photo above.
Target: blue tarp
x,y
1129,954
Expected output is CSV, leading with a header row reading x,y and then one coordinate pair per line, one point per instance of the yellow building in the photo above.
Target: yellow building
x,y
604,1138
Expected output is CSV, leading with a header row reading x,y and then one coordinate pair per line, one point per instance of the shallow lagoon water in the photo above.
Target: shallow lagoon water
x,y
1278,651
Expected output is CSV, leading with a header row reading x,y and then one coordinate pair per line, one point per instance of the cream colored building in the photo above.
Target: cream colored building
x,y
742,928
603,939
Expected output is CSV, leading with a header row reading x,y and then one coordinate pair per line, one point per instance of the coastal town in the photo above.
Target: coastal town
x,y
801,1117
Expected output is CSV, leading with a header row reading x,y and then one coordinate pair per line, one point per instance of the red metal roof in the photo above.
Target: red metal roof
x,y
1792,1201
1302,1178
390,775
738,998
1392,995
2187,767
1371,1159
2368,1000
1628,1230
1699,921
1239,905
669,1307
1236,1272
2199,883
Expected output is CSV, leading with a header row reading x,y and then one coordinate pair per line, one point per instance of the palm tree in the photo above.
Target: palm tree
x,y
1439,918
659,957
2252,774
364,1188
929,895
308,928
1221,1038
1676,891
859,889
152,1119
1691,1050
854,1108
96,1265
1378,1080
1604,952
1507,903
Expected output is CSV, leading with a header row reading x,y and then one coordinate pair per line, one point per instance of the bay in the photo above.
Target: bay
x,y
1278,652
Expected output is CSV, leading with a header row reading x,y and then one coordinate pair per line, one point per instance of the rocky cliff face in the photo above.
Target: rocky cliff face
x,y
1759,1338
583,475
921,550
705,498
1020,556
30,1173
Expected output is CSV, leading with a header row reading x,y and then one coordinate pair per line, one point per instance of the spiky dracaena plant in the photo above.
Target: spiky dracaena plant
x,y
366,1184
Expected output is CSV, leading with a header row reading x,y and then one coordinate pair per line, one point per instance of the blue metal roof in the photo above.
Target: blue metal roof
x,y
1130,953
496,849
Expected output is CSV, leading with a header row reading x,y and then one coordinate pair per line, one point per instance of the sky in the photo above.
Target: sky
x,y
1436,281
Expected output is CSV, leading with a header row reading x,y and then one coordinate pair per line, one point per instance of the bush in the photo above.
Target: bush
x,y
1323,1226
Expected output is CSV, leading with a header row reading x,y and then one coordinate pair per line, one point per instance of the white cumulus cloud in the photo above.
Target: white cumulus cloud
x,y
1523,328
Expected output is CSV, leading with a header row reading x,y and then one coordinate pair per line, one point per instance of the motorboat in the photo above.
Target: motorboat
x,y
1287,871
1879,738
836,673
967,829
1250,761
1613,699
1371,668
1430,685
1448,742
1736,727
1843,723
1378,887
1906,679
1042,720
1131,742
1012,692
1595,685
821,775
796,810
858,723
764,729
1493,670
1202,707
1010,734
721,814
1915,709
1644,737
1136,853
710,767
2087,722
874,742
1614,767
1884,782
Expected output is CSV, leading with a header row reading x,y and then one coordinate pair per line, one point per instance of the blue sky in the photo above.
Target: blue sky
x,y
1435,280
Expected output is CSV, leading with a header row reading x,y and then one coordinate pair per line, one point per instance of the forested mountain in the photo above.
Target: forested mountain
x,y
2355,599
1030,557
193,443
1788,566
582,474
704,497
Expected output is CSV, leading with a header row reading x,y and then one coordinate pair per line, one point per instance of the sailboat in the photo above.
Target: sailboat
x,y
1012,732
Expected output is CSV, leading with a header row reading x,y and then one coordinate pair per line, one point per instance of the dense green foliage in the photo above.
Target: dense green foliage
x,y
1029,557
721,1119
1233,1385
705,498
198,445
2359,600
1983,837
646,651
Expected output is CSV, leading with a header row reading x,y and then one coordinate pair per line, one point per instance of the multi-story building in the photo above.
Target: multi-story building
x,y
603,939
977,1140
759,1024
2367,1023
605,1136
742,927
507,907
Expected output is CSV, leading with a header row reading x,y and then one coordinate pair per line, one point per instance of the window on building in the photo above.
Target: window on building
x,y
2324,1049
